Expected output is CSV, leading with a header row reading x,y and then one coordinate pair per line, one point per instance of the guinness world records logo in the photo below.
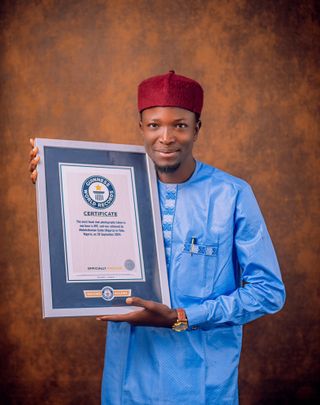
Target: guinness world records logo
x,y
98,192
107,293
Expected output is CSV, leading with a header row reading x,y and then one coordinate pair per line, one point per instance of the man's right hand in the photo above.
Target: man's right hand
x,y
33,161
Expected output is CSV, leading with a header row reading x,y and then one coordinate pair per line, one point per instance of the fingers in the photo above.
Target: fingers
x,y
104,318
33,153
34,149
139,302
34,176
150,305
112,318
117,318
34,163
33,169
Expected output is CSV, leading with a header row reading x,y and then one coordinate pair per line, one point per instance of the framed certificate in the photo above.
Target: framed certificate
x,y
99,228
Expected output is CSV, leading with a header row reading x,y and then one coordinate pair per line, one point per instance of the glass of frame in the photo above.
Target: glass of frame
x,y
99,223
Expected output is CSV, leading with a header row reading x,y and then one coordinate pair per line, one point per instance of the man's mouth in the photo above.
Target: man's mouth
x,y
167,152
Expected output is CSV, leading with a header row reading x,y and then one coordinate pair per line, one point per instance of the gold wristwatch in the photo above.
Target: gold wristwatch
x,y
181,323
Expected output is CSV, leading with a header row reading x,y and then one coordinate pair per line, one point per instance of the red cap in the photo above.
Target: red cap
x,y
170,90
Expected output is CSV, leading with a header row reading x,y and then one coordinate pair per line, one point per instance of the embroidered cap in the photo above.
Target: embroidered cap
x,y
170,90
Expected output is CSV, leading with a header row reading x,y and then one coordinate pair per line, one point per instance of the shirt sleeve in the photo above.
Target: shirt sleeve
x,y
262,290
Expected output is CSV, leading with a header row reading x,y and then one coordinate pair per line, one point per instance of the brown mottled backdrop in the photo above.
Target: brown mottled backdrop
x,y
69,70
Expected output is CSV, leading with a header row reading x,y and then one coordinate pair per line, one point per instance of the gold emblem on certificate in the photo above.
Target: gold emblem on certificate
x,y
107,293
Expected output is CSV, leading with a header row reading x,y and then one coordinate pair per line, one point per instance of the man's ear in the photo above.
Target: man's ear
x,y
140,120
197,129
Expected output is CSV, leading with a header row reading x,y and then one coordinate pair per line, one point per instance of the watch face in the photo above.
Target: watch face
x,y
180,326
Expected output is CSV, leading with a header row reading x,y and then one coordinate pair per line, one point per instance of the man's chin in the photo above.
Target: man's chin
x,y
167,169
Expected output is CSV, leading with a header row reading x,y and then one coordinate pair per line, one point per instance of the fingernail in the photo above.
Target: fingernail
x,y
129,300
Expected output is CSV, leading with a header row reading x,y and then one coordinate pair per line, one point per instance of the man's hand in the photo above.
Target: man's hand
x,y
33,161
152,314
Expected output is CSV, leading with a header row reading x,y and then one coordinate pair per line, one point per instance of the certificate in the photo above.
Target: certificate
x,y
99,228
101,231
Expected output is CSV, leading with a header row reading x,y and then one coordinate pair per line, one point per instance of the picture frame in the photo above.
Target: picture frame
x,y
99,223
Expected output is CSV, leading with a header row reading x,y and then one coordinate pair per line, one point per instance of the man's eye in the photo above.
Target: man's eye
x,y
181,125
152,125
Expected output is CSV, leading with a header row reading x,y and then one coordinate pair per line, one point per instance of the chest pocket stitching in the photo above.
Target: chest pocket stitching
x,y
205,250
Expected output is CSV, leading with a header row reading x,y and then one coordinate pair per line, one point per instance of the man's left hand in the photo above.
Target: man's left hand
x,y
152,314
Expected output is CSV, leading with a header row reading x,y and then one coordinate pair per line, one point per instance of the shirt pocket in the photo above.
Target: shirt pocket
x,y
197,264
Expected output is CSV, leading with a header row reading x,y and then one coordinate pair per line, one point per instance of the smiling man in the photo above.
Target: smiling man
x,y
222,268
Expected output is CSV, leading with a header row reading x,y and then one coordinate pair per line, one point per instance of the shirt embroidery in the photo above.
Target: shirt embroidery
x,y
168,206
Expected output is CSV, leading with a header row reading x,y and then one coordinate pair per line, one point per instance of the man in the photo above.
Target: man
x,y
222,268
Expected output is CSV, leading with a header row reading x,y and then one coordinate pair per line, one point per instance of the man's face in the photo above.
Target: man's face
x,y
169,134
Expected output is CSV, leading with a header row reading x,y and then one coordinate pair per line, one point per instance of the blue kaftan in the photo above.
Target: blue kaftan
x,y
232,277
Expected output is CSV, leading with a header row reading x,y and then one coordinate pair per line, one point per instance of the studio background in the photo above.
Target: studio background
x,y
69,70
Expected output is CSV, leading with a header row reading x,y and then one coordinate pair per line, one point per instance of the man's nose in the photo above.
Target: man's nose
x,y
167,136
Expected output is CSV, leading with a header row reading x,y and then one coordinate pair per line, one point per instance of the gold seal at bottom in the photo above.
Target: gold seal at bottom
x,y
98,293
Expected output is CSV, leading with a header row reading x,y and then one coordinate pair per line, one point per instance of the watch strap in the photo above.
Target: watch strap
x,y
181,323
181,315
